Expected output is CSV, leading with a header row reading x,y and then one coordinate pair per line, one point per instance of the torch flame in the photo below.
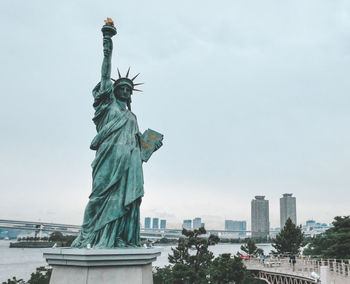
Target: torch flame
x,y
109,21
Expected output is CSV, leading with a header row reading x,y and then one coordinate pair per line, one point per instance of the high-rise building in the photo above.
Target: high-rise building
x,y
147,222
260,217
187,224
288,209
231,225
155,223
163,224
197,223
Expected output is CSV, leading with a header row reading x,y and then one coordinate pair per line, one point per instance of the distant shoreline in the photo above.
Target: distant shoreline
x,y
33,244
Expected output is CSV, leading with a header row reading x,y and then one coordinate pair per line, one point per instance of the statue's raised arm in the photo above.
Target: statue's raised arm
x,y
108,31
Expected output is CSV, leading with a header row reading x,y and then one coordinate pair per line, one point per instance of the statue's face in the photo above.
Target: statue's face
x,y
123,92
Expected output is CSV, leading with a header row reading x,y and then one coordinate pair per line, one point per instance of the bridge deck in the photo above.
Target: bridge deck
x,y
338,271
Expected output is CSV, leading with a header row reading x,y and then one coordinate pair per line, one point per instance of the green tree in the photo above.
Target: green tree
x,y
226,269
251,249
56,236
191,262
68,240
163,275
290,239
334,243
14,280
41,276
191,257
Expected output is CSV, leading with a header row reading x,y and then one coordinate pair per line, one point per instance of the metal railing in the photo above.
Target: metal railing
x,y
338,268
304,266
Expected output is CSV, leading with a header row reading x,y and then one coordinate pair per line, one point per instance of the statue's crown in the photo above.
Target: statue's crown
x,y
126,81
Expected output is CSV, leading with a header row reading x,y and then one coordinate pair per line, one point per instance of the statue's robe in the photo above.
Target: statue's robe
x,y
112,216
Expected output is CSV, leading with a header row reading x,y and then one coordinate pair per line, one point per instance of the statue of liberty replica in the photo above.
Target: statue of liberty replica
x,y
112,215
107,249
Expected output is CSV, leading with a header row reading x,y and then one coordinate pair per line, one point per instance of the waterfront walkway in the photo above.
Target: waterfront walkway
x,y
305,270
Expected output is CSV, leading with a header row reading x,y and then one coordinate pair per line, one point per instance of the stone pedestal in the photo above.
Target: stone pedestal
x,y
95,266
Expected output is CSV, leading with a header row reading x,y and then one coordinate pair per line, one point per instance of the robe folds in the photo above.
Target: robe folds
x,y
112,215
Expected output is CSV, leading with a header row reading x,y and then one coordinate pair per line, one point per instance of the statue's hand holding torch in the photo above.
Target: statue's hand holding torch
x,y
108,31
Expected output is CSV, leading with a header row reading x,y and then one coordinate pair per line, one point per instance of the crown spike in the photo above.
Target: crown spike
x,y
138,84
135,76
113,79
136,90
127,74
119,73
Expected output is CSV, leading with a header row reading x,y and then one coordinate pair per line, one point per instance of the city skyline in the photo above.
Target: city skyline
x,y
176,222
231,225
287,210
265,83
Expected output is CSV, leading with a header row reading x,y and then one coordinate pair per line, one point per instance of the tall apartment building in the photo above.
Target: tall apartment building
x,y
231,225
187,224
155,223
287,209
163,224
197,223
147,222
260,217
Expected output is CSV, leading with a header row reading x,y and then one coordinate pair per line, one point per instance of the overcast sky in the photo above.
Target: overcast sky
x,y
252,97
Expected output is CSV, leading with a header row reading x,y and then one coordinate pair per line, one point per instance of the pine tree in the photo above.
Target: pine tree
x,y
227,269
334,243
251,249
289,240
191,262
192,258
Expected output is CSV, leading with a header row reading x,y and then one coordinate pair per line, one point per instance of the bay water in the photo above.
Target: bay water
x,y
21,262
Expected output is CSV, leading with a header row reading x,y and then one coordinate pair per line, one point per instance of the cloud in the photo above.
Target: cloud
x,y
251,96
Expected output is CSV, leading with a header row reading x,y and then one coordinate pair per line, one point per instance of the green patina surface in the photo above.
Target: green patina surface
x,y
112,215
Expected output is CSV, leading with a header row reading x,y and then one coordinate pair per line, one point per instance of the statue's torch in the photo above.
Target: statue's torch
x,y
109,29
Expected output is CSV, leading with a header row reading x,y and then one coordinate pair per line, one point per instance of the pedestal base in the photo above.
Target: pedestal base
x,y
95,266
